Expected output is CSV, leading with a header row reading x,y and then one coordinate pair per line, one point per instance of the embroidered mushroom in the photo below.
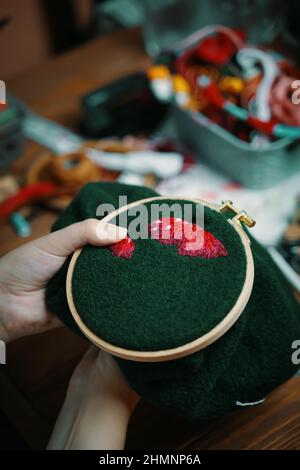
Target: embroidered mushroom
x,y
191,239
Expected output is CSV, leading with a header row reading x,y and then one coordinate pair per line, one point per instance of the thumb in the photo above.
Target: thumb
x,y
64,242
30,266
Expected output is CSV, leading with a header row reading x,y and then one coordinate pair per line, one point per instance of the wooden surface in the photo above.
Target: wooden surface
x,y
33,383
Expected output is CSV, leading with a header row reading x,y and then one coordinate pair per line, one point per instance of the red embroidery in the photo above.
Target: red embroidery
x,y
191,239
123,249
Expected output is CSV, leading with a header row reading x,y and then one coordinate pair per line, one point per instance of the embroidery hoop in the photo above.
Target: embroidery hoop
x,y
203,341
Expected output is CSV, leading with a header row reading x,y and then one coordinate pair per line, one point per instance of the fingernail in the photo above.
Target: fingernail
x,y
111,232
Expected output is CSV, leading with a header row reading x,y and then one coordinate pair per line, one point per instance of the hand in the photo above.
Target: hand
x,y
24,274
98,375
97,407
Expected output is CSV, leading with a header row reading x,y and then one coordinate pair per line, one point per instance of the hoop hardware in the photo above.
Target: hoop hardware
x,y
240,216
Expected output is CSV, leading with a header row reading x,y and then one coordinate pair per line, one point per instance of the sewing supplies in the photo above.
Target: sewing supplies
x,y
217,49
182,91
54,179
20,225
247,57
216,46
50,134
8,186
141,162
161,82
271,127
234,85
68,171
38,189
28,194
36,128
62,141
249,91
74,168
260,107
225,142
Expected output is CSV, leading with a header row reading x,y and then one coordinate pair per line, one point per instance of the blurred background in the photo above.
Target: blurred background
x,y
196,98
38,29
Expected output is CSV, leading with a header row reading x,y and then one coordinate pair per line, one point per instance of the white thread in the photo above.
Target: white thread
x,y
247,57
238,403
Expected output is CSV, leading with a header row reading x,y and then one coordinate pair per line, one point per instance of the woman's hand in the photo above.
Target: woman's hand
x,y
97,407
99,375
25,271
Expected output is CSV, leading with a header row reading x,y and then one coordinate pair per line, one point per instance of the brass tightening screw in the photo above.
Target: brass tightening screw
x,y
240,216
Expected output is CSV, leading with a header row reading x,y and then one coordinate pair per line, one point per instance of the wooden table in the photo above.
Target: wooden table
x,y
33,383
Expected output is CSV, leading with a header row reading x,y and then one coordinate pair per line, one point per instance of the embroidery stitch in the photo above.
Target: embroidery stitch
x,y
191,239
124,248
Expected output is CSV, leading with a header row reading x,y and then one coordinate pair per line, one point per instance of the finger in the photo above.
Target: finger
x,y
106,363
90,231
82,370
87,360
90,355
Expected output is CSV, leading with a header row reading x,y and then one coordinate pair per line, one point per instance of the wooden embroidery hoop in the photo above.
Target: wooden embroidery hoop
x,y
199,343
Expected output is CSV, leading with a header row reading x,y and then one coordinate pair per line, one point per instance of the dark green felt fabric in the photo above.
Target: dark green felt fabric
x,y
158,299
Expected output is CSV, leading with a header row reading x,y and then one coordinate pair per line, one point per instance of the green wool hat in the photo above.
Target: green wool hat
x,y
197,314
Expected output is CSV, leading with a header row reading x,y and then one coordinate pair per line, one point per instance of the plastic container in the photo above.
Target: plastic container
x,y
253,168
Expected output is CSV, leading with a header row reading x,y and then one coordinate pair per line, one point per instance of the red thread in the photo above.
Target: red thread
x,y
123,249
212,95
27,195
191,239
208,248
266,127
217,50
